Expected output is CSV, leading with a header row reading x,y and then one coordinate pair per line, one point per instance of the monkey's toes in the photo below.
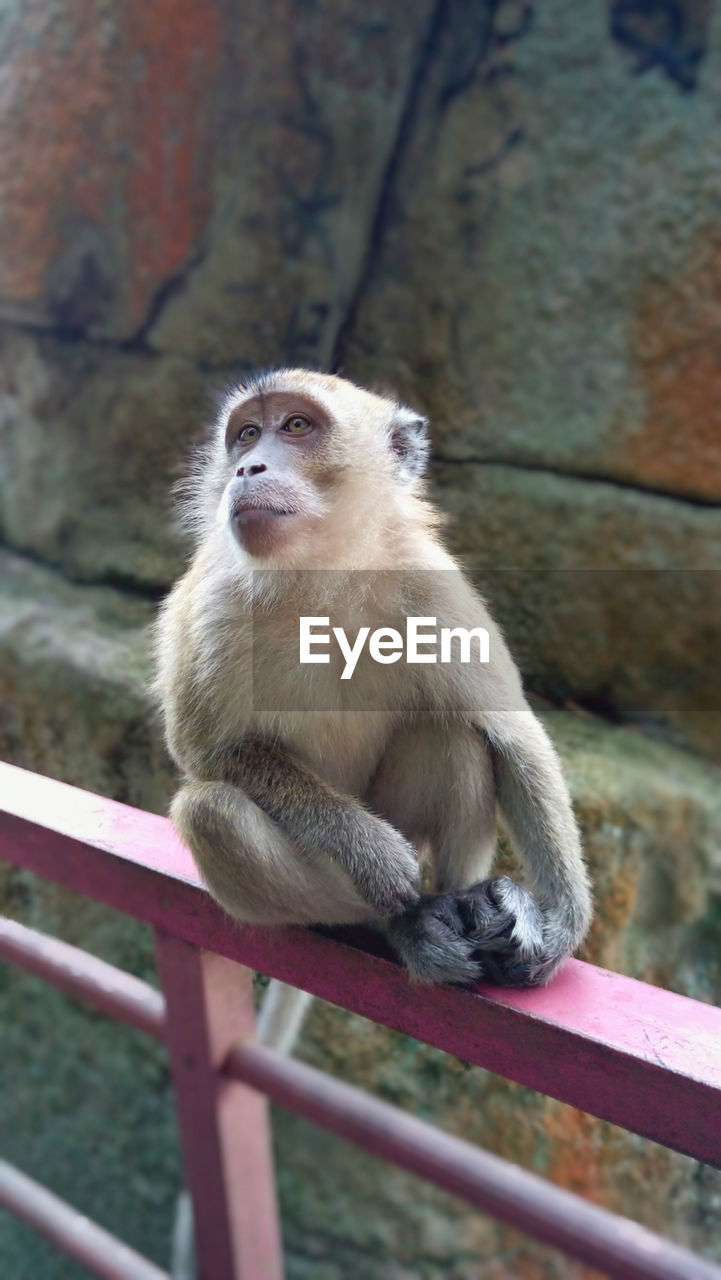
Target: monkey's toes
x,y
430,939
512,970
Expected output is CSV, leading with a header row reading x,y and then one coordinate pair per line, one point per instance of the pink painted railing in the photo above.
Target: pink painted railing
x,y
638,1056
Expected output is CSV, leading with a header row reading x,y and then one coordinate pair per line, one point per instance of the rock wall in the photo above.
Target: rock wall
x,y
508,212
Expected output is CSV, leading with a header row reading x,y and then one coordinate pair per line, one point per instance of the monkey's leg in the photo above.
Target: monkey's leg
x,y
256,872
326,824
552,918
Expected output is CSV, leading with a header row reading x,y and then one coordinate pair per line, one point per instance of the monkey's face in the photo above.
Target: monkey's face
x,y
311,459
278,445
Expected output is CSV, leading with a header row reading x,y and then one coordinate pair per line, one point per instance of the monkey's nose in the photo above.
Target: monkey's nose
x,y
255,470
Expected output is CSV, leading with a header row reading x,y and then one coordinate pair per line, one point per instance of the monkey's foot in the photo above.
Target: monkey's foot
x,y
430,938
510,939
493,932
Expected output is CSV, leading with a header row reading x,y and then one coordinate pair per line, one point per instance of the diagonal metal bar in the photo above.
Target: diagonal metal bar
x,y
71,1231
615,1245
80,974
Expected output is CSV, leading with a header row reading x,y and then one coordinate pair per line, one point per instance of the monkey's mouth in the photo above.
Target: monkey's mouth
x,y
251,512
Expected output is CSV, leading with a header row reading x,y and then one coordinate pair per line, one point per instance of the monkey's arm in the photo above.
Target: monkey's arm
x,y
320,820
550,923
497,929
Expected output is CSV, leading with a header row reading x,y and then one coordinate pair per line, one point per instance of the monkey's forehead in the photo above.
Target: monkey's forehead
x,y
292,379
332,392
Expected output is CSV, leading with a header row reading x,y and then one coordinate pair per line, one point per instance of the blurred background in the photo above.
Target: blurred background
x,y
509,214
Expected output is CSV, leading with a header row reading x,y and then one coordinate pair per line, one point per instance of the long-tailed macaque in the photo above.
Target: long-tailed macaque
x,y
309,798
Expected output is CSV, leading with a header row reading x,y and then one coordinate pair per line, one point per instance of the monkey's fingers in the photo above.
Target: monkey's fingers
x,y
501,915
486,918
515,945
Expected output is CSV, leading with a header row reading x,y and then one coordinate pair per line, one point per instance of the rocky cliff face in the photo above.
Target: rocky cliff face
x,y
507,212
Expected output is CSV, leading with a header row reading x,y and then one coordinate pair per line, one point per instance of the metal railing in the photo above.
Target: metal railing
x,y
627,1052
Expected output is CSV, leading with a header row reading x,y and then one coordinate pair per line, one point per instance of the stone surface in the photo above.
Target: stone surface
x,y
105,163
506,210
608,596
547,285
91,442
73,704
618,603
73,674
238,208
309,135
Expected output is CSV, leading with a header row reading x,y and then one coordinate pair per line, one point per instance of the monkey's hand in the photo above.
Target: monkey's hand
x,y
495,932
384,867
506,928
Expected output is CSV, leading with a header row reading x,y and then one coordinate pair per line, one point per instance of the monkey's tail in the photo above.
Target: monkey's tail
x,y
281,1016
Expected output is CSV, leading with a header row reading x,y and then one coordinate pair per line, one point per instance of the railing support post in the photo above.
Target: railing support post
x,y
225,1135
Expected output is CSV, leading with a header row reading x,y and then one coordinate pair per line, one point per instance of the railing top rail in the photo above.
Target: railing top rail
x,y
636,1055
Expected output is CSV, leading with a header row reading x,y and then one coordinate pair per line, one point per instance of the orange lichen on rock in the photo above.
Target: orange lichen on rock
x,y
177,43
576,1152
677,357
45,138
105,150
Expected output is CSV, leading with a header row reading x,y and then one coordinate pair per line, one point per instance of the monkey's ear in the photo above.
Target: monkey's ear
x,y
410,443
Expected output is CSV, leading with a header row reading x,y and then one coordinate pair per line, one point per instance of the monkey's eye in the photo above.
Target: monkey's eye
x,y
248,433
297,425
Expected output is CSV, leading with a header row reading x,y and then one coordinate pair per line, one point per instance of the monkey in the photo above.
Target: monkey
x,y
307,800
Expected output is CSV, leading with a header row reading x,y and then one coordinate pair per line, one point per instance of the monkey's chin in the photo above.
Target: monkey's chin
x,y
262,531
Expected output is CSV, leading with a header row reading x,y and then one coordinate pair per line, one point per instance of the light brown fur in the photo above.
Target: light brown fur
x,y
308,800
